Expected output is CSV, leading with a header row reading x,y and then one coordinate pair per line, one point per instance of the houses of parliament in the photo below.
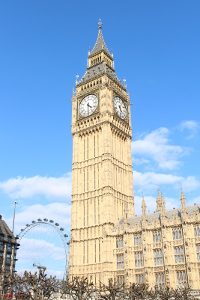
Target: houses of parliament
x,y
107,239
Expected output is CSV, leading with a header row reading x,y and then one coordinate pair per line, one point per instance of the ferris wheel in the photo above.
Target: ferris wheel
x,y
43,244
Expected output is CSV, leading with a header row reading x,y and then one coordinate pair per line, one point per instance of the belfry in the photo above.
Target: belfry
x,y
107,239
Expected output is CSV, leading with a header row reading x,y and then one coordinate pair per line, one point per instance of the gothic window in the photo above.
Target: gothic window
x,y
94,145
137,240
94,211
83,252
8,258
95,252
87,179
179,256
84,179
88,213
1,246
120,279
198,252
98,177
84,148
139,279
120,261
119,242
9,248
156,237
99,251
160,280
177,234
87,252
97,145
98,212
94,179
158,260
87,148
84,214
196,230
181,278
138,259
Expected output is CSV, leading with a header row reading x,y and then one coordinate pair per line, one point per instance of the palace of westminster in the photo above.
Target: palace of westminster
x,y
107,239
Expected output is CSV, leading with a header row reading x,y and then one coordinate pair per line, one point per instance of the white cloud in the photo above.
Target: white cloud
x,y
50,187
59,212
152,180
155,146
191,126
190,184
139,161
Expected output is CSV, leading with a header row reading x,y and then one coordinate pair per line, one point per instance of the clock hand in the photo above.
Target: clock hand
x,y
120,108
89,105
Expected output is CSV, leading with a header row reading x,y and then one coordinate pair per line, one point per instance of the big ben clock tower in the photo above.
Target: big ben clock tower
x,y
102,179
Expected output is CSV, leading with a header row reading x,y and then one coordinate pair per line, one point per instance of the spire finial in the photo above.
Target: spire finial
x,y
100,24
124,80
77,76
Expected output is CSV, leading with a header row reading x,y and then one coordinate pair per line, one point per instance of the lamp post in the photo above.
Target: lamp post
x,y
14,216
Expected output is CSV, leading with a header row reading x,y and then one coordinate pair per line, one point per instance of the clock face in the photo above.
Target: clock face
x,y
120,108
88,105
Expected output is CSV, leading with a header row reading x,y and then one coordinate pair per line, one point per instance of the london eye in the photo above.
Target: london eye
x,y
43,244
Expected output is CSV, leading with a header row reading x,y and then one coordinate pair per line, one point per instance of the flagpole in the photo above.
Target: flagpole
x,y
14,216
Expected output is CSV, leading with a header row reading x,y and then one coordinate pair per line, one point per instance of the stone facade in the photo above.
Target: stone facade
x,y
8,248
107,239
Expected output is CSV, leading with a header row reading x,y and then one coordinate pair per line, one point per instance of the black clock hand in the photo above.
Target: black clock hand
x,y
89,105
120,108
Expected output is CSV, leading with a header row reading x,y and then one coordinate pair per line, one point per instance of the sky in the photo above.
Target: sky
x,y
44,44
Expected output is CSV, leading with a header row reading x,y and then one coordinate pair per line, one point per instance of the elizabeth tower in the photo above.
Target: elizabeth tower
x,y
102,178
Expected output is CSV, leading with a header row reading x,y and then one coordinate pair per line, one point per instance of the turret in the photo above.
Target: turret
x,y
183,204
158,202
144,207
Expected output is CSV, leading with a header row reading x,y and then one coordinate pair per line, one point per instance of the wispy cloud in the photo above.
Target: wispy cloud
x,y
50,187
151,180
156,146
59,212
191,126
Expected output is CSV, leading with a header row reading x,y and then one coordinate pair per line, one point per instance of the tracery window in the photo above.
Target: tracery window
x,y
158,259
139,279
120,261
177,234
138,259
160,280
120,280
197,230
156,237
179,256
198,252
181,278
119,242
137,240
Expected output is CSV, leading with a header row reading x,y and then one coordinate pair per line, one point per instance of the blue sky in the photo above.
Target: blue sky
x,y
44,44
